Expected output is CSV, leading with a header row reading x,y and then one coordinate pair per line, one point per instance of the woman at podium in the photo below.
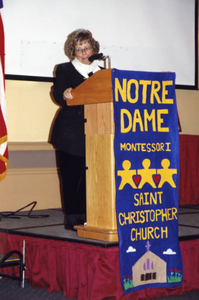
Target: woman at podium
x,y
68,130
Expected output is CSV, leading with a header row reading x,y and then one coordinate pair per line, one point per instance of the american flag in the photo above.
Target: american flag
x,y
3,125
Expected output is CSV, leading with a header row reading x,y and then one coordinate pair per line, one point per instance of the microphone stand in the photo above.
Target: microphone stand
x,y
102,57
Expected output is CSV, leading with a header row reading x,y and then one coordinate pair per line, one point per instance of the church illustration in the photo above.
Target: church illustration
x,y
150,268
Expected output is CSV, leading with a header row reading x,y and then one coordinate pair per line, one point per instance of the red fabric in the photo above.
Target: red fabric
x,y
3,241
189,170
90,272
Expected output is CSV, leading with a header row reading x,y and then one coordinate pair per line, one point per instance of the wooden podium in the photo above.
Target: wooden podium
x,y
96,96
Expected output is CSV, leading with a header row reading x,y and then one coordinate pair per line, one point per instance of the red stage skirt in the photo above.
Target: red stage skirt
x,y
89,272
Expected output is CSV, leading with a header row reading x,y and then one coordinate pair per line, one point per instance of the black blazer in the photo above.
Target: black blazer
x,y
68,128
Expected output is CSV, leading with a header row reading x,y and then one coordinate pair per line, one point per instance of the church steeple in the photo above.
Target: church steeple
x,y
148,246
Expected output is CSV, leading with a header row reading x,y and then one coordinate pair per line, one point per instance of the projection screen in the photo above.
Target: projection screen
x,y
155,35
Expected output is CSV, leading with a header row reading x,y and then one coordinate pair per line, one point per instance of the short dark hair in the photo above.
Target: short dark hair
x,y
79,35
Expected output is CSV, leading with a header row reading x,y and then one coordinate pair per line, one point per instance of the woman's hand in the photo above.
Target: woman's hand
x,y
67,94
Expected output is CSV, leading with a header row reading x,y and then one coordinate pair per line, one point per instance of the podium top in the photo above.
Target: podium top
x,y
96,89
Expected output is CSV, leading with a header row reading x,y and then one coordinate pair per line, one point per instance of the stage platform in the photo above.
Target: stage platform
x,y
59,260
49,224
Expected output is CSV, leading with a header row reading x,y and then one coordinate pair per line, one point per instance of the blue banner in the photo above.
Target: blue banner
x,y
147,177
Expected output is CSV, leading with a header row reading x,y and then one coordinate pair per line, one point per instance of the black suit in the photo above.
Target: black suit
x,y
68,130
68,137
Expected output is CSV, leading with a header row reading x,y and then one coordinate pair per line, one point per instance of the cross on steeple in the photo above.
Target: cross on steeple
x,y
147,246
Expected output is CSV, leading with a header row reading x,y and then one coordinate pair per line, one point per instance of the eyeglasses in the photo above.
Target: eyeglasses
x,y
81,50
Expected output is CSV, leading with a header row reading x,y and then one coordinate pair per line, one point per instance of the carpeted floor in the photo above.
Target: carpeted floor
x,y
10,290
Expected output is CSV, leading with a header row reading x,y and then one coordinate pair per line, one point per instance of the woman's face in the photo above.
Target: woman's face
x,y
83,50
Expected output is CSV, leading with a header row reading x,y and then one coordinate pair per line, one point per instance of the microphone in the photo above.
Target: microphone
x,y
99,56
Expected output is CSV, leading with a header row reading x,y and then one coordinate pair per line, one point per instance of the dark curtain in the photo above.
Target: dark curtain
x,y
189,170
